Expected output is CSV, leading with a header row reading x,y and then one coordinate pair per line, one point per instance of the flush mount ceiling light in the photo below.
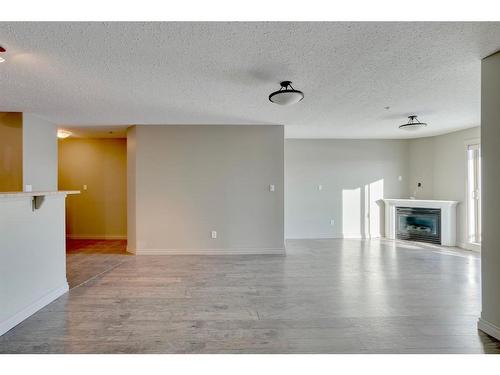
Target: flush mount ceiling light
x,y
63,134
286,95
413,124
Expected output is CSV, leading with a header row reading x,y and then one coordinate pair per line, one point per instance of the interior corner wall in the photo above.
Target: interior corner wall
x,y
490,153
11,151
342,180
39,153
191,180
440,164
131,190
99,164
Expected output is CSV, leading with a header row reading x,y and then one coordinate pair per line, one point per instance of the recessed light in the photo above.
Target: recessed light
x,y
63,134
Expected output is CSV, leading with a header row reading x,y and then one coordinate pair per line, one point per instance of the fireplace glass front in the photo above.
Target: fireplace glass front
x,y
418,224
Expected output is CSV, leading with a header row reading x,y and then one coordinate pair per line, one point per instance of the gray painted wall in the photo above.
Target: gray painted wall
x,y
39,153
190,180
440,164
354,175
490,142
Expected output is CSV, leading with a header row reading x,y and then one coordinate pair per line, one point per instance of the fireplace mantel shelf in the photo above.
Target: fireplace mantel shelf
x,y
427,203
448,216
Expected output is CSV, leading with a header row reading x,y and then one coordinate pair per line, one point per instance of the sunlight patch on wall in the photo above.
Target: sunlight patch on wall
x,y
351,213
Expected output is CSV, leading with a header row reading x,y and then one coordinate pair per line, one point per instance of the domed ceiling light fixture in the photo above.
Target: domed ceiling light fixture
x,y
286,95
413,124
2,50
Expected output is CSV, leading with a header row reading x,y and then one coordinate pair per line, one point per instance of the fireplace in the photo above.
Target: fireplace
x,y
418,224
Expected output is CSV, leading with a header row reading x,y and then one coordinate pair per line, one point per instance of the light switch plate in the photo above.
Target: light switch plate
x,y
28,188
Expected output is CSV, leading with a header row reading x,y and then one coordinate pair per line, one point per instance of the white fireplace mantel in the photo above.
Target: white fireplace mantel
x,y
448,217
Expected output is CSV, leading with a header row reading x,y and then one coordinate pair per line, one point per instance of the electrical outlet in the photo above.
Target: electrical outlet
x,y
320,187
84,187
332,222
400,178
28,188
214,234
271,187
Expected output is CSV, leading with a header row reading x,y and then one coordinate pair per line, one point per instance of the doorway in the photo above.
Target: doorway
x,y
94,162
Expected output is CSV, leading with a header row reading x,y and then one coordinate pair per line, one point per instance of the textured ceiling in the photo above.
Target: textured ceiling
x,y
222,73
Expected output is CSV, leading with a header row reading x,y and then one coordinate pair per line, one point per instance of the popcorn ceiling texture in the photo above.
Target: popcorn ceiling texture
x,y
222,73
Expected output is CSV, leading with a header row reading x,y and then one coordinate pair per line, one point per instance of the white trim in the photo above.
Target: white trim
x,y
488,328
29,310
470,246
465,221
315,237
347,236
240,251
95,237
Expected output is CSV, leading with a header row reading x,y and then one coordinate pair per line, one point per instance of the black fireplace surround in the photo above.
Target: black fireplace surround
x,y
418,224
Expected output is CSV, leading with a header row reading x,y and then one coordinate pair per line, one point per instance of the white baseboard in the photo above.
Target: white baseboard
x,y
488,328
240,251
469,246
95,237
25,313
315,237
333,237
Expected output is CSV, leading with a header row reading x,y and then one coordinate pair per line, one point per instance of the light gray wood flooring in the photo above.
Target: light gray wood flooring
x,y
325,296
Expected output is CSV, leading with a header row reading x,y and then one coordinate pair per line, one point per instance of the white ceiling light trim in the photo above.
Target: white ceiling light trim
x,y
286,95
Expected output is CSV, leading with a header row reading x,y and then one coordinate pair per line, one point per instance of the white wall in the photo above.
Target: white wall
x,y
39,153
421,168
440,164
190,180
354,174
32,257
490,143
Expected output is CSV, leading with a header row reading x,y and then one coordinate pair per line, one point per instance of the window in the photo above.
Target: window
x,y
474,194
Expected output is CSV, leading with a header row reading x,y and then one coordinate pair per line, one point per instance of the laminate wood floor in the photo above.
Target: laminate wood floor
x,y
325,296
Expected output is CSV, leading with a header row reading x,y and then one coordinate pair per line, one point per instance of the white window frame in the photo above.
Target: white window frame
x,y
469,245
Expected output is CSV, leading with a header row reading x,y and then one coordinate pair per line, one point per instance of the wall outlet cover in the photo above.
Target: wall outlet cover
x,y
213,234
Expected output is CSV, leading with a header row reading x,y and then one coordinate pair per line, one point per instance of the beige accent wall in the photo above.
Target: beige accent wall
x,y
11,151
101,164
490,149
191,180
